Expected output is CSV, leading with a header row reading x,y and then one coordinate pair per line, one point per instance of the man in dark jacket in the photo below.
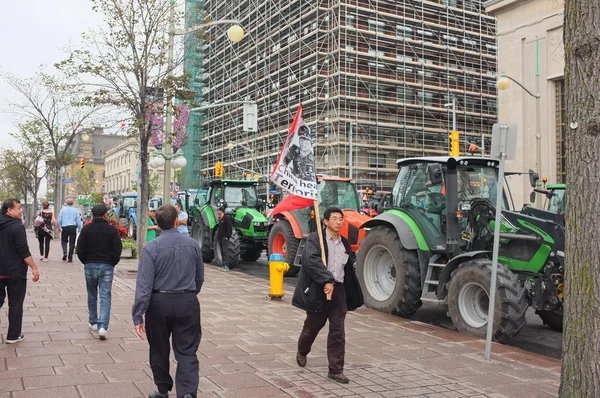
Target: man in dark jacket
x,y
170,275
224,231
316,282
15,258
99,249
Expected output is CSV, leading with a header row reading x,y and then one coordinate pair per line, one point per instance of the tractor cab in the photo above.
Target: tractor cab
x,y
421,191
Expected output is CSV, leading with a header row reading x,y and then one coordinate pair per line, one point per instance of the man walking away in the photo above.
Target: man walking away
x,y
316,281
224,231
69,221
170,275
99,249
15,258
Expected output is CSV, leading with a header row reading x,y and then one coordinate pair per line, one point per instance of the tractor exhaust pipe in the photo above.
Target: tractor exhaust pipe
x,y
452,232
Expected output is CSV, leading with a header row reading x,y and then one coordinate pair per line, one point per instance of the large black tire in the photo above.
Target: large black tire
x,y
131,229
202,235
234,251
553,319
292,243
252,254
388,274
468,301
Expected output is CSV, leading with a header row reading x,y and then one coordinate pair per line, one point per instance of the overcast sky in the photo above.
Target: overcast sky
x,y
33,33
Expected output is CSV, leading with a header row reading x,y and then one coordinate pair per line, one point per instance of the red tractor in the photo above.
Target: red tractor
x,y
290,228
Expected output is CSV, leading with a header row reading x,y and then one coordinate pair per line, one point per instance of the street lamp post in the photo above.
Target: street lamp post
x,y
503,83
235,34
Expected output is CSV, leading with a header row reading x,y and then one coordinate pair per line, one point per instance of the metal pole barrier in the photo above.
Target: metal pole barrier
x,y
492,292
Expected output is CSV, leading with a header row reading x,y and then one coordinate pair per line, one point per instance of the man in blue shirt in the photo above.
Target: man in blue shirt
x,y
69,221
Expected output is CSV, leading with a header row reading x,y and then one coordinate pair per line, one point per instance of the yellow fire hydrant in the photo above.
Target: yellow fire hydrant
x,y
277,267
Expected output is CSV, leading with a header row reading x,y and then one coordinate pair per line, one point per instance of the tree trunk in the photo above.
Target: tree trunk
x,y
581,337
143,189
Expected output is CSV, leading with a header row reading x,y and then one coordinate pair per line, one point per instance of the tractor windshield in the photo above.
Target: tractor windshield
x,y
556,203
240,196
475,181
127,204
338,194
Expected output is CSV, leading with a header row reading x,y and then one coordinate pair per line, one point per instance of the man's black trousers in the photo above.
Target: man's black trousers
x,y
69,234
16,288
175,315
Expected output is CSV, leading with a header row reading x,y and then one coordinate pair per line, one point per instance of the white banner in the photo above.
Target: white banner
x,y
295,170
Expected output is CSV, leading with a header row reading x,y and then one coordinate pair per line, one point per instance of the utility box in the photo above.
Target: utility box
x,y
250,117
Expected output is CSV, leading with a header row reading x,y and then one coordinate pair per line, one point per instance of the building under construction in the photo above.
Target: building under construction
x,y
373,78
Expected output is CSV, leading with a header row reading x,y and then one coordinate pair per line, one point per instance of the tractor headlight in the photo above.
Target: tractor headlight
x,y
258,224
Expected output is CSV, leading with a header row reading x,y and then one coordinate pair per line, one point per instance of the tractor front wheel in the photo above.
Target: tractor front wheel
x,y
202,235
283,241
388,274
553,319
468,301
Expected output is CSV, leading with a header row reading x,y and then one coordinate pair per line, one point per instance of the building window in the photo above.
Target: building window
x,y
376,26
377,160
404,31
350,20
561,116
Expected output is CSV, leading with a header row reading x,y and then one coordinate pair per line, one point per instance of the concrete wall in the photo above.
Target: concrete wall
x,y
520,24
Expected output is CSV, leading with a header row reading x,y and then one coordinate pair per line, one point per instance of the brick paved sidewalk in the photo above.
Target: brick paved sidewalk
x,y
248,348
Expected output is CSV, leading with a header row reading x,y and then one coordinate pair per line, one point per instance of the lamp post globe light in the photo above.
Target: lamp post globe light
x,y
503,84
235,33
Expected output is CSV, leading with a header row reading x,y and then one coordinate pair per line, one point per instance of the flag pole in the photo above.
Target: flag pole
x,y
320,232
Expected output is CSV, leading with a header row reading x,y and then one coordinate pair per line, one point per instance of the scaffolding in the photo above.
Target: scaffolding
x,y
382,70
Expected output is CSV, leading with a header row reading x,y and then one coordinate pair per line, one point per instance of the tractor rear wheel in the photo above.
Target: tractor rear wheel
x,y
468,301
233,254
283,241
388,274
553,319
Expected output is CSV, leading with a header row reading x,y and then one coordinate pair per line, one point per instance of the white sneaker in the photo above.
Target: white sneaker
x,y
20,338
102,333
93,328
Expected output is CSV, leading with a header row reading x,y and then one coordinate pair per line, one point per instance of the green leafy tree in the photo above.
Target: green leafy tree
x,y
86,181
23,168
60,109
125,63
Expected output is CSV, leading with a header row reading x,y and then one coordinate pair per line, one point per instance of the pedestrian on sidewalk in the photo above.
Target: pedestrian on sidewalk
x,y
99,249
170,275
44,232
182,220
69,221
224,232
13,267
316,281
152,227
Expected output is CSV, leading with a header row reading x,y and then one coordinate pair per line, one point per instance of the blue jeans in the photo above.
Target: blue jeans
x,y
99,277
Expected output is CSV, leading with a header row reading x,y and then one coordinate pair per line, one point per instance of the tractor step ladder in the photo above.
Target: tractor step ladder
x,y
431,281
298,259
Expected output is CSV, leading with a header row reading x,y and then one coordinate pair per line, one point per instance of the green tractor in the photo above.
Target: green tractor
x,y
434,243
250,226
555,203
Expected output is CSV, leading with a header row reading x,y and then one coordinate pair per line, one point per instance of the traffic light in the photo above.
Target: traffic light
x,y
82,163
454,143
219,169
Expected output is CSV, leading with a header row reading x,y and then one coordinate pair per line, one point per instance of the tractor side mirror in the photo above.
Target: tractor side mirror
x,y
435,173
205,184
533,178
532,197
